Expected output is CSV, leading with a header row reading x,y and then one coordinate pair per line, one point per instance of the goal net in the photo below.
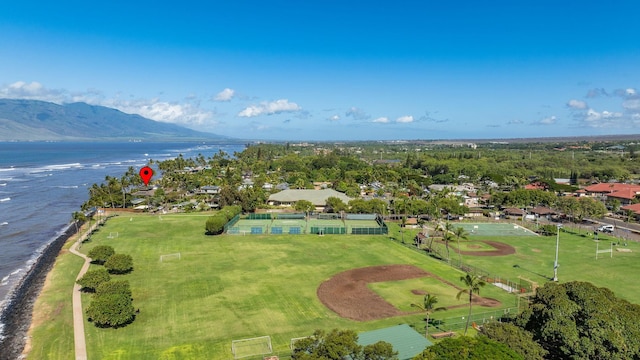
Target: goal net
x,y
251,347
112,235
169,257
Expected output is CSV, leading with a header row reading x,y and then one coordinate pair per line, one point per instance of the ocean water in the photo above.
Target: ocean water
x,y
43,183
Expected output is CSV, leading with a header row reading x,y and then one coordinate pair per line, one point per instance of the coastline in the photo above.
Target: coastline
x,y
16,315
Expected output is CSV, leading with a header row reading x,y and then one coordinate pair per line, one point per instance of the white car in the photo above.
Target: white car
x,y
606,228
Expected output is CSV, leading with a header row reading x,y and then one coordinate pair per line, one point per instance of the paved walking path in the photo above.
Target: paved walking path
x,y
78,318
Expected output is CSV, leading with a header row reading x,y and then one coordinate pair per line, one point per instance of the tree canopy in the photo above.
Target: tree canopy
x,y
581,321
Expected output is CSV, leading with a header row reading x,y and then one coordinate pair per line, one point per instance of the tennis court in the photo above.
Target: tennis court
x,y
293,224
495,229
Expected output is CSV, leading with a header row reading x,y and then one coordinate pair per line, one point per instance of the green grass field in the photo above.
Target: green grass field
x,y
400,293
232,287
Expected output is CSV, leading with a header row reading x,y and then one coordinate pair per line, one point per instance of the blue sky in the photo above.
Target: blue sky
x,y
336,70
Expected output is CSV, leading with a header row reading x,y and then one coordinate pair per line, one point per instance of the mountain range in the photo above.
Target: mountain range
x,y
34,120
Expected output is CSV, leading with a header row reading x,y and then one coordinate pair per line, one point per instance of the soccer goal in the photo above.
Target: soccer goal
x,y
170,257
251,347
112,235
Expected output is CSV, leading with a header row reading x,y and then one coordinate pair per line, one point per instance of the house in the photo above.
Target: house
x,y
316,197
209,190
514,212
542,211
625,196
635,208
604,189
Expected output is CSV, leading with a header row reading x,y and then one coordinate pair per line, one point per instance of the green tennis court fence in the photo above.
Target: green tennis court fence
x,y
254,216
369,230
329,230
231,222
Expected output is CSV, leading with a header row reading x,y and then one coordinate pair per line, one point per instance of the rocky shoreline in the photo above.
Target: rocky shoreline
x,y
16,315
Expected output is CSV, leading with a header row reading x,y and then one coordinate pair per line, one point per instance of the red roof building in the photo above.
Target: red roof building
x,y
608,188
634,207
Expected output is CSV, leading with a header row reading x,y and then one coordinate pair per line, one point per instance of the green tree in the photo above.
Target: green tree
x,y
114,287
336,204
215,224
469,348
340,345
473,283
516,338
305,206
381,350
119,264
93,278
111,310
460,233
101,253
577,320
428,306
334,345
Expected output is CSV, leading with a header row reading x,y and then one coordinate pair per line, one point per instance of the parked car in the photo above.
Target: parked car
x,y
606,228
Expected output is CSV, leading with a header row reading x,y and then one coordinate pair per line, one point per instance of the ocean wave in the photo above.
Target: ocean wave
x,y
7,169
5,199
4,223
3,184
66,186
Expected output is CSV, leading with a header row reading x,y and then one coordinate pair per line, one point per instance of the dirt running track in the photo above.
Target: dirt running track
x,y
347,293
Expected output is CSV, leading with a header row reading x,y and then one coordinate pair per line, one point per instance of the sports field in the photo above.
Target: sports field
x,y
228,287
495,229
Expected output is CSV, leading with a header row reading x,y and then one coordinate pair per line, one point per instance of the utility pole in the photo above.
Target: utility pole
x,y
555,264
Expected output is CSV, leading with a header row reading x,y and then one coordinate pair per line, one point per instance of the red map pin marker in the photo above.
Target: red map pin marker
x,y
146,173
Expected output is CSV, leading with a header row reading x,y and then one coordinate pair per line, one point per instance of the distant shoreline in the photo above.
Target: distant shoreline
x,y
17,314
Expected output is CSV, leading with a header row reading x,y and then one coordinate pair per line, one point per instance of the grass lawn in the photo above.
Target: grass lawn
x,y
233,287
401,295
52,335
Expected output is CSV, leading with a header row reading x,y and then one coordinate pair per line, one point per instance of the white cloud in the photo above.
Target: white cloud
x,y
357,114
515,122
405,119
33,91
630,91
577,104
550,120
382,120
225,95
163,111
270,108
334,118
632,105
603,118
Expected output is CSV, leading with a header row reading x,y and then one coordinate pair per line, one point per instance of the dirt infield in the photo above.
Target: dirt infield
x,y
347,293
501,249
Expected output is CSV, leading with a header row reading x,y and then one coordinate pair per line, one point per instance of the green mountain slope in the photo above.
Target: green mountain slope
x,y
32,120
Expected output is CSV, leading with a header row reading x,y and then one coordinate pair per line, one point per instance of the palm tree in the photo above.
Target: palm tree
x,y
428,306
460,232
473,283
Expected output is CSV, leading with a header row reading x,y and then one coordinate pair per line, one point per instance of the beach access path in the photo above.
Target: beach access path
x,y
78,319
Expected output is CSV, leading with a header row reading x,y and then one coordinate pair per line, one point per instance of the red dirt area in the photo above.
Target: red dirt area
x,y
501,249
347,293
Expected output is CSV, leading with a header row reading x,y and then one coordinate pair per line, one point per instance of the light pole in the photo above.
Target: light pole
x,y
555,264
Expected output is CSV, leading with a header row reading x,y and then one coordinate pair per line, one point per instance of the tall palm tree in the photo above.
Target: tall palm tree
x,y
428,306
460,233
473,283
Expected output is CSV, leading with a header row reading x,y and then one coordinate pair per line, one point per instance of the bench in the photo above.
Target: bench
x,y
442,334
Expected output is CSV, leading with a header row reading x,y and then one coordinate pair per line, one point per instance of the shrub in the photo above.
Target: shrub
x,y
93,278
101,253
119,264
111,310
215,224
114,287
